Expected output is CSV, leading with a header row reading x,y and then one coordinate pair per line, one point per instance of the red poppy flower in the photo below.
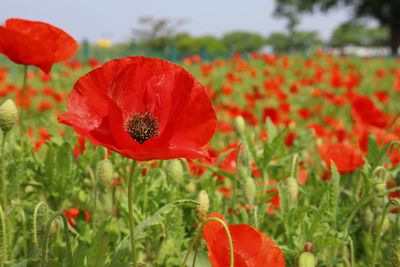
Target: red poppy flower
x,y
73,214
345,157
35,43
142,108
252,248
365,111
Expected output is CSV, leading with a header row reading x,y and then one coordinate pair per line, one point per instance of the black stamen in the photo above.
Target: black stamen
x,y
142,126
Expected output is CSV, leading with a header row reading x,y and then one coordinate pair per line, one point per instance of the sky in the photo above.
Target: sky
x,y
115,19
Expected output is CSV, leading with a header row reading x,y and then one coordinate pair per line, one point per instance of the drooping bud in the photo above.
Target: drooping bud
x,y
307,259
367,218
204,205
293,190
105,170
8,115
240,125
174,170
385,225
249,188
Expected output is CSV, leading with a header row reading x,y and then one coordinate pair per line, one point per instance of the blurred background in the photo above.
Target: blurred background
x,y
175,29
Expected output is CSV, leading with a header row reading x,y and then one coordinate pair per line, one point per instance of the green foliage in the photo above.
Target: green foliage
x,y
297,42
243,42
354,33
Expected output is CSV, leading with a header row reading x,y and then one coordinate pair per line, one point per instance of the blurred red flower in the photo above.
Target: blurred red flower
x,y
252,248
73,214
35,43
142,108
345,157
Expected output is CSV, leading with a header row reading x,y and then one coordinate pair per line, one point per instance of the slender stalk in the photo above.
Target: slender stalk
x,y
23,92
378,234
130,211
94,193
24,233
35,217
352,258
4,253
3,173
293,172
45,241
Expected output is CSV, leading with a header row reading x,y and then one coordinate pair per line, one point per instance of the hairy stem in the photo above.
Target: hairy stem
x,y
45,241
130,211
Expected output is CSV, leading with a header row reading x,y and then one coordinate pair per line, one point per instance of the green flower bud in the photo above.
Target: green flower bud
x,y
204,205
105,170
367,218
385,225
240,125
190,188
380,187
249,188
175,170
8,115
293,190
307,259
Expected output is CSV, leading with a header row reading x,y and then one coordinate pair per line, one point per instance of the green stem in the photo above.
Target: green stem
x,y
352,258
35,217
45,241
293,172
3,173
378,234
94,194
24,233
3,256
130,211
23,92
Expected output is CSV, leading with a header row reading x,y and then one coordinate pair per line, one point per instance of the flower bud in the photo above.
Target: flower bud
x,y
204,205
174,170
380,187
293,190
367,218
8,115
385,225
240,125
307,259
190,188
105,170
249,188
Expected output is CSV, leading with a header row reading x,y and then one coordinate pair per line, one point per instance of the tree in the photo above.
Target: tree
x,y
243,42
385,11
156,33
355,33
298,42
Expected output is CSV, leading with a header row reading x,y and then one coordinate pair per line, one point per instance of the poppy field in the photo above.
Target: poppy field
x,y
255,160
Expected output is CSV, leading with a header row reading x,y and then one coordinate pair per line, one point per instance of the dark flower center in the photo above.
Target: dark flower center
x,y
142,126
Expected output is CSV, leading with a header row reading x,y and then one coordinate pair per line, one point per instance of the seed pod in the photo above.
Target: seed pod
x,y
175,170
204,205
105,170
8,115
240,125
293,190
249,188
307,259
